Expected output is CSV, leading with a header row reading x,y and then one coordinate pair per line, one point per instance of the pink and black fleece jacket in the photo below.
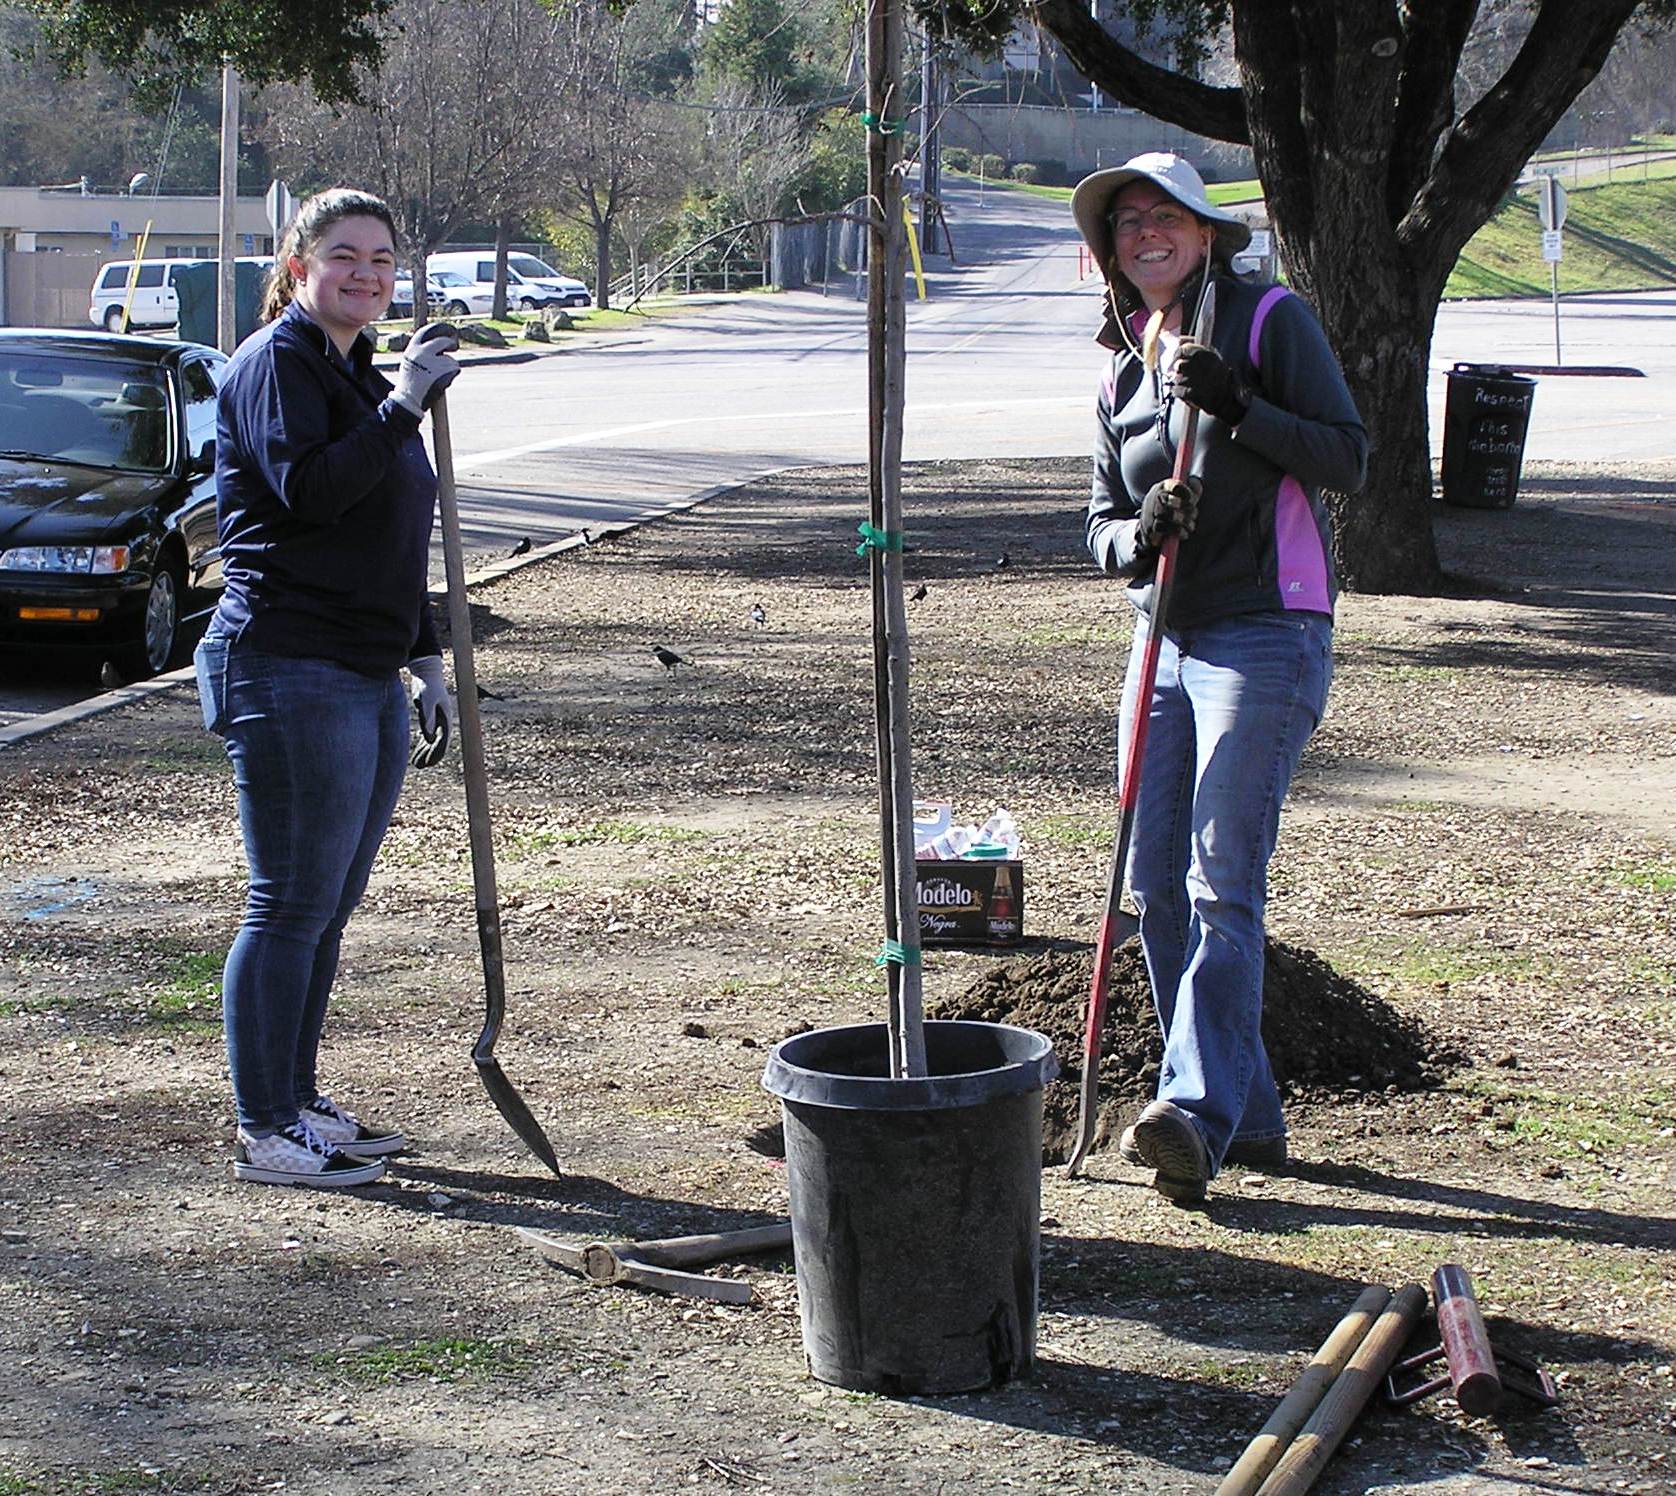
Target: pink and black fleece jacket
x,y
1261,543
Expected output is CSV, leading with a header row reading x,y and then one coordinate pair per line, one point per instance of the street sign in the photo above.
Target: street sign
x,y
1551,249
1551,205
282,208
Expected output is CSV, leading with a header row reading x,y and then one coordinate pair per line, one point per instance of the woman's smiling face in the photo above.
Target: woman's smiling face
x,y
347,278
1158,243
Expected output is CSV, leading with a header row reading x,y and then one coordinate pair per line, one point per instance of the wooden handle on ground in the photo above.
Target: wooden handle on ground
x,y
1271,1441
1297,1468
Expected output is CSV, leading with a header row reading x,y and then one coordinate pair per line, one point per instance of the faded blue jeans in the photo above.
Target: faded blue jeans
x,y
1234,703
319,752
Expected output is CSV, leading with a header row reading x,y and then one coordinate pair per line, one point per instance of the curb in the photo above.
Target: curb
x,y
386,362
1598,371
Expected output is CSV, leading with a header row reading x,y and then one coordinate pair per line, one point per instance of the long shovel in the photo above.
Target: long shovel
x,y
1129,791
501,1090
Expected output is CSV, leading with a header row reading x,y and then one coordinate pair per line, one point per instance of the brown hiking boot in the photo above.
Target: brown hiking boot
x,y
1168,1140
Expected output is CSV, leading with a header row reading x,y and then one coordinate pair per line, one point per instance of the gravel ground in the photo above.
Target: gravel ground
x,y
1480,837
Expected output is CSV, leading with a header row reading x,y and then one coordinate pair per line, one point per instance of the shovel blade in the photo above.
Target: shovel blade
x,y
518,1115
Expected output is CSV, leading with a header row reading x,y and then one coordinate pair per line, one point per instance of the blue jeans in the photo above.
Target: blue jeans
x,y
1234,703
319,752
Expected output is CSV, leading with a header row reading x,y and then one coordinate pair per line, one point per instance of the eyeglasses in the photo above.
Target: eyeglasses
x,y
1166,218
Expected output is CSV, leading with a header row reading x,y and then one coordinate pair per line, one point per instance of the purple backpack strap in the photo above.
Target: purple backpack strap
x,y
1270,297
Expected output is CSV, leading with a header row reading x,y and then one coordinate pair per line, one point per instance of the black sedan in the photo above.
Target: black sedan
x,y
107,493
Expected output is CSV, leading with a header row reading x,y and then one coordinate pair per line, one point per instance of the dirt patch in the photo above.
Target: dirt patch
x,y
1327,1035
1478,837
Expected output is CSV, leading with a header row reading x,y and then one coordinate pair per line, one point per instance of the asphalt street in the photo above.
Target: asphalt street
x,y
1001,363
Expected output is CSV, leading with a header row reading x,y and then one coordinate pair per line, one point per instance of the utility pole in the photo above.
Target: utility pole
x,y
930,147
226,321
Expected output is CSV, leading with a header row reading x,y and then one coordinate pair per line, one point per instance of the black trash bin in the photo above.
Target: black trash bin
x,y
1485,415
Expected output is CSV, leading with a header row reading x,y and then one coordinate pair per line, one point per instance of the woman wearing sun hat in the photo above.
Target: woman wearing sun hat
x,y
1245,654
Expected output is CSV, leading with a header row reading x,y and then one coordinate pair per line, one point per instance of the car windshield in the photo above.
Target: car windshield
x,y
531,268
448,278
102,412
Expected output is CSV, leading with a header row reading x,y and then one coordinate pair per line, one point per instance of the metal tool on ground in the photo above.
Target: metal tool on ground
x,y
501,1090
1476,1371
1128,795
661,1265
1264,1451
1307,1455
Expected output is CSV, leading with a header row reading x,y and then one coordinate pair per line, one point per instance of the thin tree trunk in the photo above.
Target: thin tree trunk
x,y
503,247
602,263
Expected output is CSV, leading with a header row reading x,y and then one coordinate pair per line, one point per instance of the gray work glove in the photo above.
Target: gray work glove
x,y
426,369
434,708
1169,508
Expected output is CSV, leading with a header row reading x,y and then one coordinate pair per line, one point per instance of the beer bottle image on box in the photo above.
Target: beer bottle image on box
x,y
1003,908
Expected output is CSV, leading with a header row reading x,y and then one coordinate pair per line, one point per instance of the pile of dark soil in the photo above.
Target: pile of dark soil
x,y
1326,1034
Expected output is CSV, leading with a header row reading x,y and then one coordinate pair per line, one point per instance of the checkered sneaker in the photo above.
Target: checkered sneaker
x,y
298,1155
343,1129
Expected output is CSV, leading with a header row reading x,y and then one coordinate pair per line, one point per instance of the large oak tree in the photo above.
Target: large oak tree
x,y
1376,172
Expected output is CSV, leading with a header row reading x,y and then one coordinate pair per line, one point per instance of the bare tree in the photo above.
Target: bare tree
x,y
451,126
756,150
621,149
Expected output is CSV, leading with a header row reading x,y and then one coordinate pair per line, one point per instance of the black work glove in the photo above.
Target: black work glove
x,y
1202,377
1169,508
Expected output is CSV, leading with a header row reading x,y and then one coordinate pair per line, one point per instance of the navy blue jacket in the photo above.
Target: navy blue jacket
x,y
325,499
1262,542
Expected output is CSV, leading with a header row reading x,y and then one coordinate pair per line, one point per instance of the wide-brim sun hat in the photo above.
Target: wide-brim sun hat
x,y
1091,203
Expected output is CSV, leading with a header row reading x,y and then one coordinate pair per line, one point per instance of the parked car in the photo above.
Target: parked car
x,y
533,272
154,301
401,304
107,493
463,297
530,283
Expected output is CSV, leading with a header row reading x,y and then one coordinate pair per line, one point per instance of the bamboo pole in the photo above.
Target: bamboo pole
x,y
886,325
1297,1468
1270,1442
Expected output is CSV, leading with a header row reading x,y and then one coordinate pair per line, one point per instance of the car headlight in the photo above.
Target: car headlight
x,y
94,560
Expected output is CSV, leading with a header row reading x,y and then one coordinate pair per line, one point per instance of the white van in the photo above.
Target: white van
x,y
530,283
155,303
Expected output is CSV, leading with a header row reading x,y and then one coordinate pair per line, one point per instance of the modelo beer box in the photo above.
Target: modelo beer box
x,y
970,901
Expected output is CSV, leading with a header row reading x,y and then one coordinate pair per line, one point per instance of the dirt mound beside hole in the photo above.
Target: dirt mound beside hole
x,y
1326,1034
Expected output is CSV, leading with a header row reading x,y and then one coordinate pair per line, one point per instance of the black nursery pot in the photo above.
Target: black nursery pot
x,y
915,1204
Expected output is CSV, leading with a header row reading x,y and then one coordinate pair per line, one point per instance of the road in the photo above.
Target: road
x,y
1000,363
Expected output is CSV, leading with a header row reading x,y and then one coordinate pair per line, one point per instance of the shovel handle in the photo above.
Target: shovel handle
x,y
471,732
502,1092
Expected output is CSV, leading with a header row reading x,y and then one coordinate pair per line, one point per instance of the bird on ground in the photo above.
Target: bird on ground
x,y
668,658
1002,562
522,546
486,695
587,539
758,615
110,677
918,594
